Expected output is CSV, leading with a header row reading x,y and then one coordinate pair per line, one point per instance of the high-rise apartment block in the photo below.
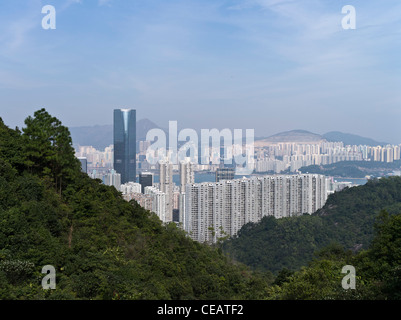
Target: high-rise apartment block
x,y
167,186
159,203
187,174
214,210
112,178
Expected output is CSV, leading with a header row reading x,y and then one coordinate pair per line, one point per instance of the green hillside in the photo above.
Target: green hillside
x,y
376,271
347,219
101,246
105,248
354,169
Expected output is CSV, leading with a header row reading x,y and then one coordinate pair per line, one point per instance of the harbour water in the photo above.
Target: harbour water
x,y
210,177
354,181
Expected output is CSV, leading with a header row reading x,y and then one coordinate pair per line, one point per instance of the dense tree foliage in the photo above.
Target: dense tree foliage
x,y
377,270
354,169
101,246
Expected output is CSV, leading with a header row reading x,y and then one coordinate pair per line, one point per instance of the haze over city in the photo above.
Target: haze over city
x,y
269,65
209,156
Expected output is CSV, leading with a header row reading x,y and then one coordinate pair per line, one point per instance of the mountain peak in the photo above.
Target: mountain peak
x,y
351,139
293,136
101,136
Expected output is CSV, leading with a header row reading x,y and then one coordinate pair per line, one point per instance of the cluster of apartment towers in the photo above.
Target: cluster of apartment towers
x,y
210,211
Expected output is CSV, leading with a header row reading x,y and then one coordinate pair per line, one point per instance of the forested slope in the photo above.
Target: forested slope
x,y
101,246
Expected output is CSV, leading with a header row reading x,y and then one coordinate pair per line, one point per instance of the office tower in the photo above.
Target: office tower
x,y
84,164
215,210
225,174
125,144
145,180
186,173
166,186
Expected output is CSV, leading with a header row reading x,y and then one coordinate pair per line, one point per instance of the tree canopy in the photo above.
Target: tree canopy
x,y
103,247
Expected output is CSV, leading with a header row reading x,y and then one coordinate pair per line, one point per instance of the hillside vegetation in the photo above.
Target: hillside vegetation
x,y
101,246
105,248
354,169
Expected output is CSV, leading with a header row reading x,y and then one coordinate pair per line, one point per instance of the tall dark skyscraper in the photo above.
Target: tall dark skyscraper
x,y
125,144
146,180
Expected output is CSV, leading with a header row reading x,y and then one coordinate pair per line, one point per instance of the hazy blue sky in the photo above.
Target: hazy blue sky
x,y
271,65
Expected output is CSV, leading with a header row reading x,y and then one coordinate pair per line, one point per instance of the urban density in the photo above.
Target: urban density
x,y
216,210
218,207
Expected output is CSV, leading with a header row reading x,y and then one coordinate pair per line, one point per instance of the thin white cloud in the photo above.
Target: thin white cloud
x,y
17,32
104,2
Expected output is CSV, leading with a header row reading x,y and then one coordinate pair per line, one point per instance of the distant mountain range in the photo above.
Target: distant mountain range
x,y
292,136
309,137
101,137
351,139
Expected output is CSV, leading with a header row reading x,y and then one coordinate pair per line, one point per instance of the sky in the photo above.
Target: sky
x,y
268,65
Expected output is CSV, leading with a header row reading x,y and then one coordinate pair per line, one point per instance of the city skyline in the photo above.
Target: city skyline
x,y
268,65
200,150
142,134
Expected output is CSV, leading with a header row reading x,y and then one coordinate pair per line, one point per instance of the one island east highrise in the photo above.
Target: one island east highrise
x,y
125,144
